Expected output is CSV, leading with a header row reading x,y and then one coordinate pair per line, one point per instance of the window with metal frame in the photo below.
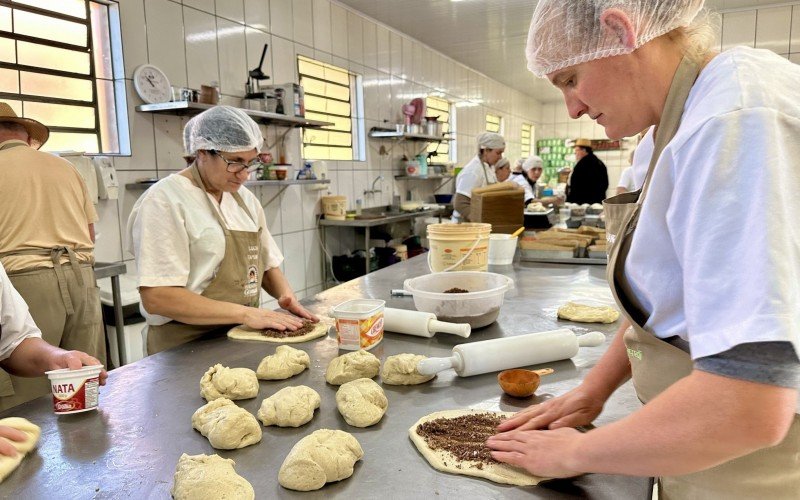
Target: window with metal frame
x,y
60,64
331,95
436,106
526,139
494,123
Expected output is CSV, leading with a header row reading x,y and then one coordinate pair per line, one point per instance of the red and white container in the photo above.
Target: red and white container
x,y
75,391
359,323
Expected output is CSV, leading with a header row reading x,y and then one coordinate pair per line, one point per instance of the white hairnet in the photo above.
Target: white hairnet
x,y
518,165
564,34
502,162
222,128
491,140
531,162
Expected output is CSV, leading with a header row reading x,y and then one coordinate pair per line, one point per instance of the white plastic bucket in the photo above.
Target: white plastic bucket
x,y
501,249
75,391
334,207
458,247
359,323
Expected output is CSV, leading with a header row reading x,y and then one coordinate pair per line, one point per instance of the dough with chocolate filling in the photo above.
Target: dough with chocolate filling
x,y
32,433
207,477
485,467
226,426
286,362
401,369
320,329
289,407
582,313
232,383
321,457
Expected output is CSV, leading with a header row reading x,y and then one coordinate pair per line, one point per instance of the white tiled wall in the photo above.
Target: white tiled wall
x,y
201,41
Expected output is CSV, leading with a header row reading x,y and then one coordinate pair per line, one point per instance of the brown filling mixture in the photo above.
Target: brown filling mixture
x,y
307,327
464,437
456,290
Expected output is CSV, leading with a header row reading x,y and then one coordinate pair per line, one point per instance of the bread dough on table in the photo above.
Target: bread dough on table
x,y
587,314
401,369
32,433
242,332
361,402
446,462
226,426
232,383
289,407
352,366
286,362
324,456
209,477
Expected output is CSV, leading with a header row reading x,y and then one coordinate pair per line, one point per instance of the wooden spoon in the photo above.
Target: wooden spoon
x,y
521,383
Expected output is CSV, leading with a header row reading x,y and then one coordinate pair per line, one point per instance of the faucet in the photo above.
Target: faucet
x,y
372,189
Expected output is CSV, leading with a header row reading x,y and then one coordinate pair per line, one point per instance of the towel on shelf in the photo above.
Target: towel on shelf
x,y
85,168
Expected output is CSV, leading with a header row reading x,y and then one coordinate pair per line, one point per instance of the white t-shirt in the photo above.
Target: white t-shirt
x,y
626,180
716,255
474,175
523,181
641,158
16,323
177,240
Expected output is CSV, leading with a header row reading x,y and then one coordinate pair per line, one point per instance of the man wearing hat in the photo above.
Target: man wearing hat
x,y
46,246
589,180
477,173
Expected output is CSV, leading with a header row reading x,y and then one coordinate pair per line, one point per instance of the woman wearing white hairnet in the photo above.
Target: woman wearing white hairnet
x,y
528,176
477,173
202,248
502,170
705,259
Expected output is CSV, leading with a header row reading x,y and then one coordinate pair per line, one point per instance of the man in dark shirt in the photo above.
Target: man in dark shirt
x,y
589,180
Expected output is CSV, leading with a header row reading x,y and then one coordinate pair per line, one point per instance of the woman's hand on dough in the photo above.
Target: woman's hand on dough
x,y
74,360
291,304
577,407
543,453
8,434
259,319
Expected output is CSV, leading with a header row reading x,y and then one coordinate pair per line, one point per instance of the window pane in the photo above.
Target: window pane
x,y
7,51
339,139
5,19
76,8
60,115
42,56
9,81
56,86
28,23
107,104
101,42
341,154
15,105
67,141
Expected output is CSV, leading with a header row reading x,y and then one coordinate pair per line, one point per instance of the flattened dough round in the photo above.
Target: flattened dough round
x,y
321,457
446,462
286,362
201,477
352,366
232,383
32,433
289,407
361,402
401,369
242,332
583,313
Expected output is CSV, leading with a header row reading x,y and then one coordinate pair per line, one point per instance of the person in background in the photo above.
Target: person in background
x,y
47,246
711,344
201,242
530,172
25,354
626,183
632,177
589,180
502,170
477,173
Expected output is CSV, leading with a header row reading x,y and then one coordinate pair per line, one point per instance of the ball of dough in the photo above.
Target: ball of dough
x,y
209,477
286,362
321,457
232,383
289,407
361,402
226,426
351,366
401,369
32,433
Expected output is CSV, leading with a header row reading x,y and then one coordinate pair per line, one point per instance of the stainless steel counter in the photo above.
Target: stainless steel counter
x,y
389,218
129,448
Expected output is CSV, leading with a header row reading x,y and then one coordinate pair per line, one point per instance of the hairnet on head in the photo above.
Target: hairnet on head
x,y
564,34
531,162
502,162
222,128
518,165
491,140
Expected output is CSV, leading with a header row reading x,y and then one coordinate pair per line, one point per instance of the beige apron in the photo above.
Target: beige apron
x,y
771,473
238,279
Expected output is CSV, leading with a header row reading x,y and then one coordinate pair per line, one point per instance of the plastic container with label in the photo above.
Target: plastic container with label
x,y
75,391
359,323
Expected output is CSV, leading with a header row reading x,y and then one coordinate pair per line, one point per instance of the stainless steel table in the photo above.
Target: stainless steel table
x,y
129,448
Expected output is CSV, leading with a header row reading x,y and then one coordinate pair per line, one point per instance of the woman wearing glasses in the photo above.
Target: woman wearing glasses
x,y
202,248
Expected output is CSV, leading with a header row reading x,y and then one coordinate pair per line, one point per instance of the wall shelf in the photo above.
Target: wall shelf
x,y
288,182
377,133
193,108
422,177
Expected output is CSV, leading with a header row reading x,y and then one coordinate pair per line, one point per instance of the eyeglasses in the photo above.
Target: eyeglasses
x,y
235,167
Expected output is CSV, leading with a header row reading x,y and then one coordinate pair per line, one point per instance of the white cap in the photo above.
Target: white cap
x,y
531,162
221,128
502,162
491,140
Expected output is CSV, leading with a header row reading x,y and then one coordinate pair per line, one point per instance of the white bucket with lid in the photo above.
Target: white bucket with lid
x,y
459,247
359,323
334,207
501,249
75,391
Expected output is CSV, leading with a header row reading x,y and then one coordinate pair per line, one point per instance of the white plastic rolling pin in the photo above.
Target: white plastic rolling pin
x,y
420,324
494,355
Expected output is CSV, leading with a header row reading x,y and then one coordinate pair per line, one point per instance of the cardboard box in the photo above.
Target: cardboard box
x,y
501,205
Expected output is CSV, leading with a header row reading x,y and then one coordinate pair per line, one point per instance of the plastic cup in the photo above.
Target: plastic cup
x,y
75,391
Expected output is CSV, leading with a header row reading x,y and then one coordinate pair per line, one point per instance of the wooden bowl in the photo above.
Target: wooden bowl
x,y
521,383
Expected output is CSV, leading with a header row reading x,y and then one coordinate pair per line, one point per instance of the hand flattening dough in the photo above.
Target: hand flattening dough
x,y
242,332
226,426
401,369
587,314
289,407
32,433
232,383
361,402
286,362
321,457
209,477
352,366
